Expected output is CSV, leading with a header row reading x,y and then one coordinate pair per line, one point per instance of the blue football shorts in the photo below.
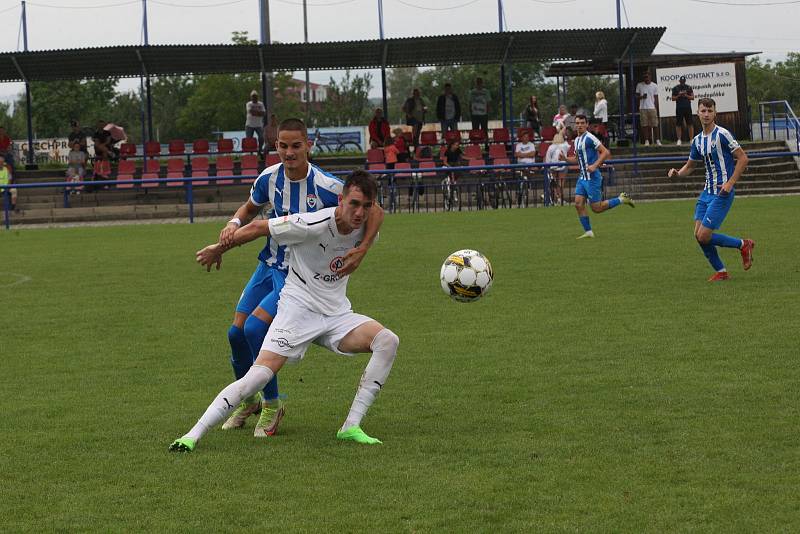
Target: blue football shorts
x,y
711,209
262,291
591,189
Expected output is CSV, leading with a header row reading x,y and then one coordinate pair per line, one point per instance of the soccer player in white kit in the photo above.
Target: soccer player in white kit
x,y
313,307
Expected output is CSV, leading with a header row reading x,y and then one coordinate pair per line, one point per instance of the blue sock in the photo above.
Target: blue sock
x,y
722,240
255,330
710,252
241,357
585,223
614,202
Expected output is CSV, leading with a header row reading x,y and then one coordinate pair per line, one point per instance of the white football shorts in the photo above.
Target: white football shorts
x,y
295,327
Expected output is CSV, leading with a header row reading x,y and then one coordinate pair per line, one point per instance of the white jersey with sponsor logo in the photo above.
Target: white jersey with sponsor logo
x,y
318,250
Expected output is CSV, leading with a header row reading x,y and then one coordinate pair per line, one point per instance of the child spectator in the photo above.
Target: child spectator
x,y
390,153
76,168
6,178
453,157
400,143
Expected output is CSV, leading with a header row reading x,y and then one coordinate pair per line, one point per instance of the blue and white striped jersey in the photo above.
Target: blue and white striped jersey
x,y
587,153
319,190
715,150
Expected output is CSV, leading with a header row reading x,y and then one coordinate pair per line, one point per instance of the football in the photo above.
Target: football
x,y
466,275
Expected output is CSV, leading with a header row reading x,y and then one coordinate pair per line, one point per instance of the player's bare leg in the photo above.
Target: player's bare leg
x,y
583,216
382,342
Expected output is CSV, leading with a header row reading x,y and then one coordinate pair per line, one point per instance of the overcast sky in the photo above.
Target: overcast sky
x,y
695,25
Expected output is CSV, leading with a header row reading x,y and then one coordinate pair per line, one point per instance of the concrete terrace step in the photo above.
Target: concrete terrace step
x,y
118,213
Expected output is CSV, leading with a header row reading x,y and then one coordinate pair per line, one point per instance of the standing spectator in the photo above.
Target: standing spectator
x,y
76,167
77,134
102,141
379,134
390,155
569,118
557,152
7,178
647,95
558,118
254,123
414,108
448,110
683,95
479,100
531,115
600,108
6,148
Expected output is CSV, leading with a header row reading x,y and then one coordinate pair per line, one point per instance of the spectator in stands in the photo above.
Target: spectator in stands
x,y
600,112
647,95
271,134
400,144
414,108
557,152
479,106
448,109
569,118
525,149
7,178
531,116
683,95
102,141
558,118
6,148
390,153
77,134
379,134
453,157
254,123
76,167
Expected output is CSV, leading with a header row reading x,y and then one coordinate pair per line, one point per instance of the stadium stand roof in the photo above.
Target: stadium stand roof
x,y
596,46
603,66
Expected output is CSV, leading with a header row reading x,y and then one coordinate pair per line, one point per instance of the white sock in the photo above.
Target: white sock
x,y
384,349
229,398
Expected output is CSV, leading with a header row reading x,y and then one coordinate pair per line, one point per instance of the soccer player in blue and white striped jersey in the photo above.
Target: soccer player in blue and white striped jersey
x,y
590,155
724,162
292,186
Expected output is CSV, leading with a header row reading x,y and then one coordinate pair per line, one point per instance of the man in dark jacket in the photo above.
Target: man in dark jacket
x,y
448,109
378,130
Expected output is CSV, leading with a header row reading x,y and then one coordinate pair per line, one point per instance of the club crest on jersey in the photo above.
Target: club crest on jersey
x,y
311,201
336,263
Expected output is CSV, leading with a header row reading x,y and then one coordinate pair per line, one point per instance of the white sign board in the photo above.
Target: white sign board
x,y
716,81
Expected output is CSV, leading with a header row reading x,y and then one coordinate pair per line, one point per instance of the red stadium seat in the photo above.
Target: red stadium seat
x,y
225,145
375,155
476,163
127,150
376,167
200,169
408,136
427,165
224,168
528,131
125,172
177,147
452,135
152,169
502,161
402,165
477,136
473,152
200,146
102,169
548,132
542,152
152,149
501,135
175,169
497,150
428,138
249,144
272,159
249,166
423,153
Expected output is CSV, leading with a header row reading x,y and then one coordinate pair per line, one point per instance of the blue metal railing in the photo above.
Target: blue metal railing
x,y
779,116
480,185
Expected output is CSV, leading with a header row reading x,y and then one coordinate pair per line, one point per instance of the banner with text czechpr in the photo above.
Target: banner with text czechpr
x,y
717,81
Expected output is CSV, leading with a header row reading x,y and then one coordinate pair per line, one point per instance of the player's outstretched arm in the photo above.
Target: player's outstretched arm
x,y
354,256
246,213
212,254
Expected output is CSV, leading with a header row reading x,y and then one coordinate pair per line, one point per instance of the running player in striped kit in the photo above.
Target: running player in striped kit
x,y
589,155
724,161
292,186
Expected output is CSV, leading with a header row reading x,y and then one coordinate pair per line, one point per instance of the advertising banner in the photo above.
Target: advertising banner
x,y
716,81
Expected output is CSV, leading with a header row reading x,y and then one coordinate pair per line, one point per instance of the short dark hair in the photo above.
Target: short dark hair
x,y
294,125
582,117
364,181
707,102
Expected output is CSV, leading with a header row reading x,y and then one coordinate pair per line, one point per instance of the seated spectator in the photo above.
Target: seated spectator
x,y
400,143
6,148
453,157
558,118
76,168
378,130
525,150
77,134
423,153
569,119
557,152
102,142
7,178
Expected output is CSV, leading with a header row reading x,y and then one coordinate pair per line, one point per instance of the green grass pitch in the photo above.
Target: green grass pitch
x,y
602,385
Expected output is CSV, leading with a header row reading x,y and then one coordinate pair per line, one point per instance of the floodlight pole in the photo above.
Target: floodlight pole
x,y
29,113
150,136
503,66
266,78
308,83
383,64
621,82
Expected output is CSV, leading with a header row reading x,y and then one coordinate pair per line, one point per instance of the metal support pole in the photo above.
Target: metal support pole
x,y
31,164
383,66
503,66
558,91
308,83
6,205
621,77
266,78
190,199
511,97
633,117
150,134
